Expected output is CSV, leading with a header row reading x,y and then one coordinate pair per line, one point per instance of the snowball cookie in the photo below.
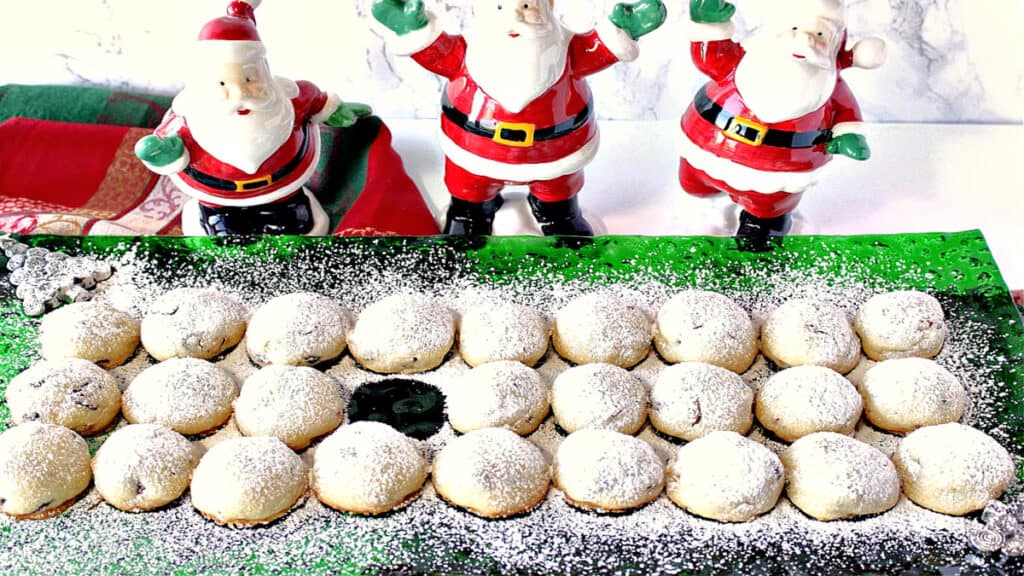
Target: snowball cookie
x,y
802,332
192,323
900,325
300,329
492,473
368,468
293,403
402,334
71,392
247,481
94,331
498,394
831,476
607,471
503,331
725,477
907,393
599,396
701,326
952,468
693,399
143,467
806,399
43,467
602,327
188,395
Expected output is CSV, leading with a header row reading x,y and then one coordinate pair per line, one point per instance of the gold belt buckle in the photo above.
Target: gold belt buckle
x,y
734,130
266,181
519,126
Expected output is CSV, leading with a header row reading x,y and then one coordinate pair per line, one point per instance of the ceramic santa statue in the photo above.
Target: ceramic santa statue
x,y
517,108
241,141
775,110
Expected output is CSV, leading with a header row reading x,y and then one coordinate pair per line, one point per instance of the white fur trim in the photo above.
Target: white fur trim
x,y
617,41
254,3
173,168
743,177
230,51
709,31
847,128
869,53
333,101
314,136
411,42
519,172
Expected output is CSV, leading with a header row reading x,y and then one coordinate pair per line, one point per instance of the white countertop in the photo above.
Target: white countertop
x,y
921,178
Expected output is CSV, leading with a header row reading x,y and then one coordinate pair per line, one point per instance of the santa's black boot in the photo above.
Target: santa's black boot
x,y
754,233
293,215
561,218
471,219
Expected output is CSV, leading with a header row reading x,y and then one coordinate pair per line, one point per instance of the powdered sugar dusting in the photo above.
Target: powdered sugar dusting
x,y
606,470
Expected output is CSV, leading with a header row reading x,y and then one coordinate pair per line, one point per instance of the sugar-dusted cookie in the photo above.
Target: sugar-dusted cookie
x,y
692,399
300,329
192,323
248,481
952,468
900,325
368,468
188,395
93,331
599,396
43,468
497,394
804,331
71,392
702,326
904,394
602,327
293,403
402,334
607,471
143,467
492,472
503,331
805,399
725,477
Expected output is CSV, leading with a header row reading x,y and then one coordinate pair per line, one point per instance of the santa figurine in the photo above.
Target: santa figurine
x,y
242,142
775,111
517,108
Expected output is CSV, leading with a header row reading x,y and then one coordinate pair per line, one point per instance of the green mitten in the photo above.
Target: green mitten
x,y
639,18
850,145
400,16
711,11
160,151
347,114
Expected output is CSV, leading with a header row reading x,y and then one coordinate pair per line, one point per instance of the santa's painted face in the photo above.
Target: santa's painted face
x,y
238,88
814,41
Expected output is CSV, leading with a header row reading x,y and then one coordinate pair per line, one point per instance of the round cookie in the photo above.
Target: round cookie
x,y
900,325
498,394
492,473
368,468
830,476
503,331
905,394
806,399
43,468
402,334
300,329
71,392
952,468
188,395
93,331
192,323
293,403
692,399
702,326
607,471
599,396
726,477
143,467
248,481
810,332
602,327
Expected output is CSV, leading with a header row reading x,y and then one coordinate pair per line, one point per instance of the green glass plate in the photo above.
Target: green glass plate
x,y
432,537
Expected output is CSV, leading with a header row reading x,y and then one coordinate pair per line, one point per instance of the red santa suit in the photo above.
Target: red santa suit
x,y
217,183
763,166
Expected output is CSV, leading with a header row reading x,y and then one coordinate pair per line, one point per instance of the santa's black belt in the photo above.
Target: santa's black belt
x,y
256,183
754,133
519,134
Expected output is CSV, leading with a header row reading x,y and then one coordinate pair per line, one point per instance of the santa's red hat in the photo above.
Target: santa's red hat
x,y
233,38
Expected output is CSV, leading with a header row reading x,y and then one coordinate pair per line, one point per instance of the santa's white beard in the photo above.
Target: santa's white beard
x,y
778,88
515,71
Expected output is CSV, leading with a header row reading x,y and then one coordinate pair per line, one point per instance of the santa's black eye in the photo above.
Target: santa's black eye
x,y
821,33
221,82
794,28
247,79
499,6
526,6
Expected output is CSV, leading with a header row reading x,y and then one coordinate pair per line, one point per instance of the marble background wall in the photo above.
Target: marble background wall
x,y
949,60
